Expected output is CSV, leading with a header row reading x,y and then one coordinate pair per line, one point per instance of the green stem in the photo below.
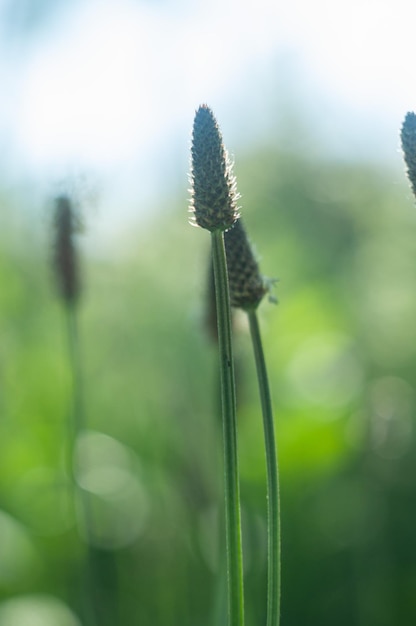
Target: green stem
x,y
273,499
76,422
76,426
232,489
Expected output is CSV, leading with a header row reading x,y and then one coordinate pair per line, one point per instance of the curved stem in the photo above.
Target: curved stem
x,y
232,489
273,497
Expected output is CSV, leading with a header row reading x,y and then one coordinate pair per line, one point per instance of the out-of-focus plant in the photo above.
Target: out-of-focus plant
x,y
68,283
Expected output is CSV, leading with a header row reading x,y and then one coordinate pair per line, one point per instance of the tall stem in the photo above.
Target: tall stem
x,y
232,489
76,426
76,422
273,497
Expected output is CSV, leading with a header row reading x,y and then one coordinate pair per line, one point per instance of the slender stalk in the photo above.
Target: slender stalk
x,y
232,490
76,422
273,498
76,426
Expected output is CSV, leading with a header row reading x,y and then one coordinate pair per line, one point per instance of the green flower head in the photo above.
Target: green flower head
x,y
213,193
247,286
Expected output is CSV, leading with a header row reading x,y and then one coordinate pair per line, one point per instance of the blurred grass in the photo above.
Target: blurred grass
x,y
341,351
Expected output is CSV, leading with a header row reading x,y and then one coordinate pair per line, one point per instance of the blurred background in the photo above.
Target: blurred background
x,y
97,101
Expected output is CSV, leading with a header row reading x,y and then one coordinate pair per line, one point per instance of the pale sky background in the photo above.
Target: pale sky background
x,y
107,89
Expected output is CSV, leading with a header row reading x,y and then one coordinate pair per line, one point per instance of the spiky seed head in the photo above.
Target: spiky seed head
x,y
408,137
247,286
65,259
213,186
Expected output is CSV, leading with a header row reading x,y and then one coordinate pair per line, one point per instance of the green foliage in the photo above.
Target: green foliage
x,y
341,351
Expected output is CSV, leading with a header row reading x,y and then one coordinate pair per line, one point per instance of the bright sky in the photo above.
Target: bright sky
x,y
110,87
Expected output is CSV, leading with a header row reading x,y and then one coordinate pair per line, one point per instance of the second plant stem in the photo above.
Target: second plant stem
x,y
232,489
273,497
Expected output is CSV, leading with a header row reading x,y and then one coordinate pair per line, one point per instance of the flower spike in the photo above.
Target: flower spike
x,y
213,194
247,285
65,261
